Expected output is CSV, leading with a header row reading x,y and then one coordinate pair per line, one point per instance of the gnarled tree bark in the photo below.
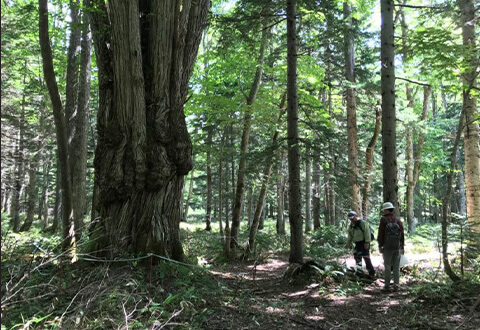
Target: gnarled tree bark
x,y
145,54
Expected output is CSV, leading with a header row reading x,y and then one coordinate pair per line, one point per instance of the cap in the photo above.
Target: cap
x,y
387,205
351,214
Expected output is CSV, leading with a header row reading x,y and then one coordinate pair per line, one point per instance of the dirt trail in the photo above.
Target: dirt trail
x,y
261,298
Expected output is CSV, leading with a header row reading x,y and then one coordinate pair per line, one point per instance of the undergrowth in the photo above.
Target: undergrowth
x,y
42,290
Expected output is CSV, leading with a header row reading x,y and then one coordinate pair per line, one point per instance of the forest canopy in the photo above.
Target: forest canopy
x,y
193,134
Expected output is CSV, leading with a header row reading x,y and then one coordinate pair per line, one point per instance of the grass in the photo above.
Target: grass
x,y
38,291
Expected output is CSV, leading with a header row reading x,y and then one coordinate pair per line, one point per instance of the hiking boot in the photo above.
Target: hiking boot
x,y
395,288
371,275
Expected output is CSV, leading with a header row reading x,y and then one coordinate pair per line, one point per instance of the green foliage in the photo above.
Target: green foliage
x,y
326,242
95,295
444,291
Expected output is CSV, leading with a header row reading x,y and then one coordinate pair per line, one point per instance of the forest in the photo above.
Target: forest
x,y
180,164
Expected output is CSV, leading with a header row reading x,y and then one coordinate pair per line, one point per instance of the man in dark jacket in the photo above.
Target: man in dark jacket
x,y
359,234
391,242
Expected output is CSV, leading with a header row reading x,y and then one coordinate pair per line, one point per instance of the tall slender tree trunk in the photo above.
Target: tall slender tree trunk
x,y
45,192
446,201
462,197
145,55
19,164
317,189
220,187
72,111
389,132
294,195
369,163
18,178
330,170
57,208
60,127
78,129
239,193
352,110
186,205
31,191
472,129
208,213
267,172
414,161
308,191
8,190
326,198
250,206
280,197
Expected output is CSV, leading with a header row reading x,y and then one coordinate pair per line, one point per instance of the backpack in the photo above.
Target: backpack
x,y
393,232
372,233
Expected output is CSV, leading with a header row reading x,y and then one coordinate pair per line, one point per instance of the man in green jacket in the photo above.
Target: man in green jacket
x,y
359,234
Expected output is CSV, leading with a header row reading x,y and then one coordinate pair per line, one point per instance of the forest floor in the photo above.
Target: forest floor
x,y
264,298
41,290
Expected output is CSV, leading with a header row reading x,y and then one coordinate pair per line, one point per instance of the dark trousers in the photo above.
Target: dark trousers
x,y
361,252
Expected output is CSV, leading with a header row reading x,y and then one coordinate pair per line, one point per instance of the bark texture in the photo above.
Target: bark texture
x,y
78,125
145,53
389,132
294,195
352,110
60,127
472,129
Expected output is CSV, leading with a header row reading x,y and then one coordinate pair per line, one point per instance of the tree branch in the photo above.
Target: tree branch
x,y
414,81
421,7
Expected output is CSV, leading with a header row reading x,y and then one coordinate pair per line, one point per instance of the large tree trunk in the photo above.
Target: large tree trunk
x,y
145,54
369,163
389,132
294,195
472,129
352,110
239,193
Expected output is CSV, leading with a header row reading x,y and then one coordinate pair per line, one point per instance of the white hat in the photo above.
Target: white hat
x,y
387,205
